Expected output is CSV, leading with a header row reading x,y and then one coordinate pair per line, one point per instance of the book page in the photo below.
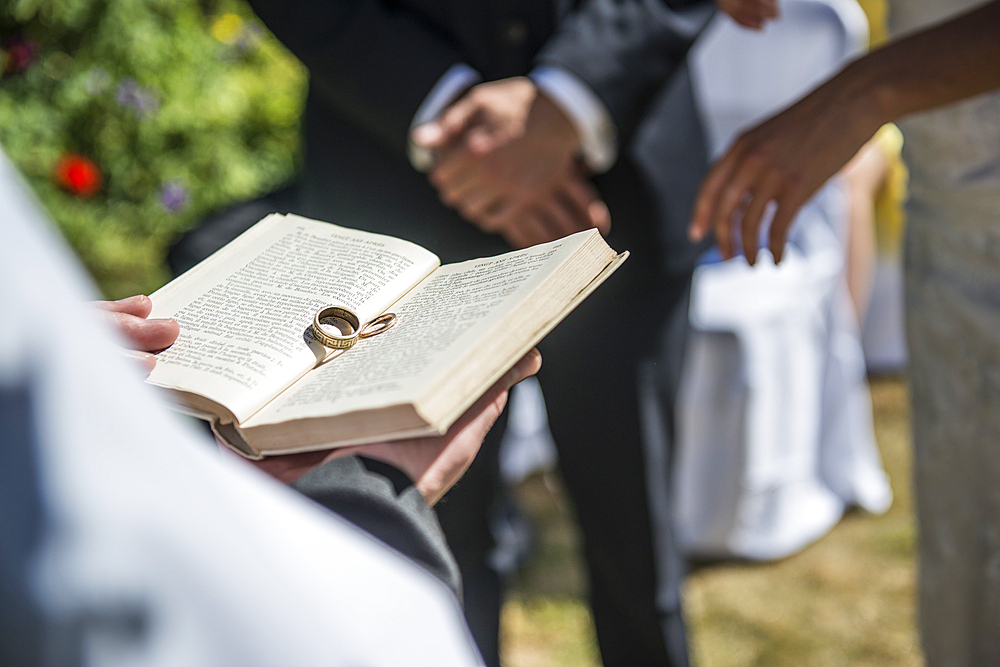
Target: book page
x,y
246,311
440,320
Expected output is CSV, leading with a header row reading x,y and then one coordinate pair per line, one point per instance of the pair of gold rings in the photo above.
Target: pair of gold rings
x,y
380,324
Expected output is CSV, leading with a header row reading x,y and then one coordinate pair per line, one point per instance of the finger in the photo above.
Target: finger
x,y
454,190
527,366
742,183
754,212
495,215
145,360
538,227
446,127
578,193
562,219
756,11
289,467
597,211
474,205
708,199
138,305
600,216
788,207
453,174
748,20
435,464
522,229
550,228
143,334
582,199
428,135
456,119
459,446
481,140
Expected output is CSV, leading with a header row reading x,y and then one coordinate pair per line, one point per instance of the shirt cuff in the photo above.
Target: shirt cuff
x,y
449,87
598,134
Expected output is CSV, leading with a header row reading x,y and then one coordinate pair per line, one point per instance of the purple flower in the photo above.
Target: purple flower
x,y
126,93
173,197
131,95
21,54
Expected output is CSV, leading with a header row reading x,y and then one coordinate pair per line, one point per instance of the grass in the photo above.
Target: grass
x,y
848,599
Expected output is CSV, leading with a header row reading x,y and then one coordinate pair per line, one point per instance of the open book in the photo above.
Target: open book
x,y
246,359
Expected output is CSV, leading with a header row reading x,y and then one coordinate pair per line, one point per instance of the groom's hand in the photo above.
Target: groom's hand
x,y
507,161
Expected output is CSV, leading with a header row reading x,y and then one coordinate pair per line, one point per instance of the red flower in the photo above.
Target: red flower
x,y
79,175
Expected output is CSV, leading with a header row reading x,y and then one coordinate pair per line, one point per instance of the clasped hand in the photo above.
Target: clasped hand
x,y
506,160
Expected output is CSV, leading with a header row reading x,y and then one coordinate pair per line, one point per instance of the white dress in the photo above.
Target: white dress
x,y
774,418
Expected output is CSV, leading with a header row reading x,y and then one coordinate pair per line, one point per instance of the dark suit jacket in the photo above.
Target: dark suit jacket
x,y
372,63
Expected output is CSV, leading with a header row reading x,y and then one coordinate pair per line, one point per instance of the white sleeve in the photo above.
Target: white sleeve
x,y
449,87
598,134
185,557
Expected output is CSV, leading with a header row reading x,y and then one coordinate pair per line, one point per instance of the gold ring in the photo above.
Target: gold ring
x,y
380,324
330,340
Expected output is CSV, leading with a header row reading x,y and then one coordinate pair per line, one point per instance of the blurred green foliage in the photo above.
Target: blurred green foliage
x,y
185,107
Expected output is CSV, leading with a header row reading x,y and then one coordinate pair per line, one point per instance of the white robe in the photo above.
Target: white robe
x,y
213,562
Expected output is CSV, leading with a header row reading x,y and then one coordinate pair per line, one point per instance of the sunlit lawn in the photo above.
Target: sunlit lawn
x,y
846,600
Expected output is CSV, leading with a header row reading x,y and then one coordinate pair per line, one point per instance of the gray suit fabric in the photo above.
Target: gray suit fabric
x,y
952,274
382,501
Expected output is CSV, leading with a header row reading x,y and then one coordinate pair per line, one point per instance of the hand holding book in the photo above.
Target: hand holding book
x,y
130,316
247,359
434,464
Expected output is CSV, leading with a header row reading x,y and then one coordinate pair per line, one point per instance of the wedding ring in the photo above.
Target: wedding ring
x,y
336,342
380,324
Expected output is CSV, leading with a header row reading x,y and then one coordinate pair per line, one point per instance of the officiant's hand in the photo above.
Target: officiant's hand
x,y
434,464
785,159
507,161
130,317
750,13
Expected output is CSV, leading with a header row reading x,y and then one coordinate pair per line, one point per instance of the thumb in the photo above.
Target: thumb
x,y
446,127
600,216
427,135
455,120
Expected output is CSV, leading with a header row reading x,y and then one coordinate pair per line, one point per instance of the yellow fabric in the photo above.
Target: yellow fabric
x,y
890,217
877,12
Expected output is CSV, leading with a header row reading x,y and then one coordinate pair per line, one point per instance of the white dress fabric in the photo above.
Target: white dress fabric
x,y
144,520
774,419
527,444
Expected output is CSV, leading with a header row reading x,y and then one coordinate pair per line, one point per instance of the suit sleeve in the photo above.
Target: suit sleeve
x,y
626,50
361,58
383,502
